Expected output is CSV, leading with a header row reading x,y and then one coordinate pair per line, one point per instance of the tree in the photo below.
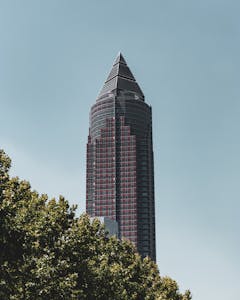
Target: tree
x,y
48,253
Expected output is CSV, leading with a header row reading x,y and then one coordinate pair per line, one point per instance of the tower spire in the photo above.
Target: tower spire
x,y
119,59
120,77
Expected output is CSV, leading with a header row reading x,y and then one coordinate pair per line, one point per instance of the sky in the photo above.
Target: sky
x,y
54,58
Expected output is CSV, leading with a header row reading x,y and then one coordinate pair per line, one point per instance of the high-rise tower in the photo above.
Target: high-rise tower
x,y
120,175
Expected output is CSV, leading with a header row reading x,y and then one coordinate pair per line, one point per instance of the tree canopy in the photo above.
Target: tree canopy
x,y
46,252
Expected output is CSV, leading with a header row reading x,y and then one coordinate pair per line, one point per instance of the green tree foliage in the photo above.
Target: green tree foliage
x,y
46,252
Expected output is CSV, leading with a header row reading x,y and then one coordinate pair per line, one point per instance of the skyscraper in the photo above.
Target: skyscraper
x,y
120,175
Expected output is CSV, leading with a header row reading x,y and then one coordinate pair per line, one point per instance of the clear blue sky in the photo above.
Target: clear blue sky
x,y
54,58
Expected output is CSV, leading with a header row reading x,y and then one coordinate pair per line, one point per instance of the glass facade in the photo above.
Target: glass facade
x,y
120,176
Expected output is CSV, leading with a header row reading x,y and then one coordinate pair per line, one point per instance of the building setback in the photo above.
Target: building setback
x,y
120,175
